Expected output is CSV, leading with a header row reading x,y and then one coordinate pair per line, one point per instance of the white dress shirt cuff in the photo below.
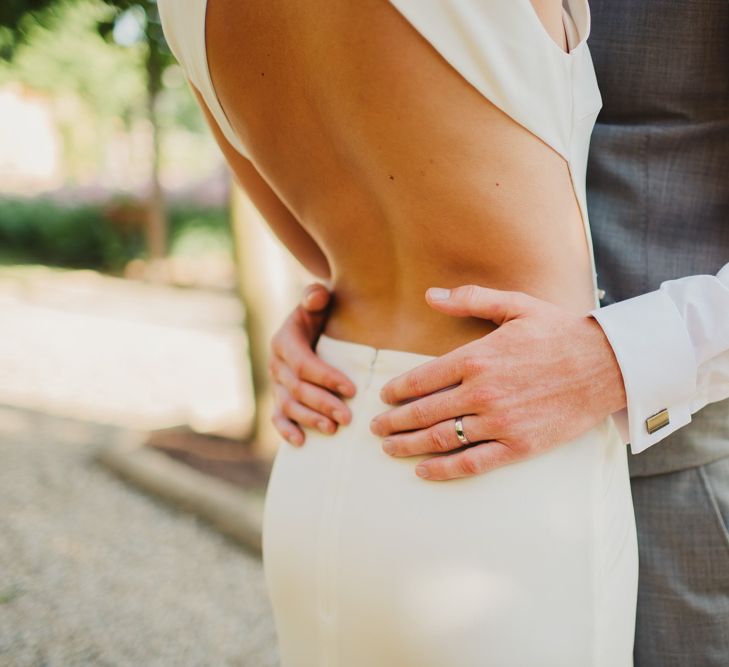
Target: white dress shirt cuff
x,y
658,363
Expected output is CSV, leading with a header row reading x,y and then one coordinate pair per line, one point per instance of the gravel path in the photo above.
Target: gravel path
x,y
95,573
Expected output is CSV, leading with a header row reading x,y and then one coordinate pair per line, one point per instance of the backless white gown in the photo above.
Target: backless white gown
x,y
532,565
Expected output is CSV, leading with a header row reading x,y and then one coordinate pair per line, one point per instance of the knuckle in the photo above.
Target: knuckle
x,y
469,292
518,299
419,412
518,453
501,421
297,390
509,300
326,407
278,397
332,382
439,441
297,366
472,364
482,395
470,465
413,384
280,423
321,406
287,406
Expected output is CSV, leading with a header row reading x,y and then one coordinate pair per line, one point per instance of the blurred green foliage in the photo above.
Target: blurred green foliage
x,y
106,71
13,17
62,53
79,236
66,49
100,236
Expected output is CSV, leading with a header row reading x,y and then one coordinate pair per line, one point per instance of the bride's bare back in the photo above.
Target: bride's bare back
x,y
378,164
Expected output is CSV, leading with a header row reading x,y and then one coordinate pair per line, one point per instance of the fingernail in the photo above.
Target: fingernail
x,y
439,294
338,416
325,426
374,426
344,390
388,446
295,439
422,471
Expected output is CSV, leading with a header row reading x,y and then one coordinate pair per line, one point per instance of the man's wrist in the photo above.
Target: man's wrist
x,y
612,385
658,363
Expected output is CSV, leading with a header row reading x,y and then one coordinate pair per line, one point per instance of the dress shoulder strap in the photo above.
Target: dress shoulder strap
x,y
502,49
183,22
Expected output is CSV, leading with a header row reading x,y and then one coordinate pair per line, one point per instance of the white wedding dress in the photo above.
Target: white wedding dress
x,y
531,565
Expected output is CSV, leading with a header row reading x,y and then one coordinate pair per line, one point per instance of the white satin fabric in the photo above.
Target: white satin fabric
x,y
530,565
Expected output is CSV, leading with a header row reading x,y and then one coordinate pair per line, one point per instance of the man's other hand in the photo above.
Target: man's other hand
x,y
307,391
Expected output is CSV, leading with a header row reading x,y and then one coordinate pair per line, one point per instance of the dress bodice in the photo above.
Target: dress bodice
x,y
499,46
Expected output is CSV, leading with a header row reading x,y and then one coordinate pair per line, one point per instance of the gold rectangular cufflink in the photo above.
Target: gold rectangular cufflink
x,y
657,421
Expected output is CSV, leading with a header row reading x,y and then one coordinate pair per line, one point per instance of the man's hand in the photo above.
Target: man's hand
x,y
306,389
544,377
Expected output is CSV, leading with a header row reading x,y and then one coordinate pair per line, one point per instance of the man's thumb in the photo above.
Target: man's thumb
x,y
498,306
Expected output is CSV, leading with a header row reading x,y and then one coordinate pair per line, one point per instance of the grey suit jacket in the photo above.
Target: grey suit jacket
x,y
658,175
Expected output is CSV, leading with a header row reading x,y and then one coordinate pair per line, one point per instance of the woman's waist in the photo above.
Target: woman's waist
x,y
390,327
386,308
366,363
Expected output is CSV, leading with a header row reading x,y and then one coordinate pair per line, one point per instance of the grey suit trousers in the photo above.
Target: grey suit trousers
x,y
682,519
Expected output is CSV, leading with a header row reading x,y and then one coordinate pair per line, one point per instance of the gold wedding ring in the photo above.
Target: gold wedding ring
x,y
460,433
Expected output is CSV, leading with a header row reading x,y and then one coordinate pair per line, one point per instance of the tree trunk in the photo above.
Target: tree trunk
x,y
269,283
155,231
